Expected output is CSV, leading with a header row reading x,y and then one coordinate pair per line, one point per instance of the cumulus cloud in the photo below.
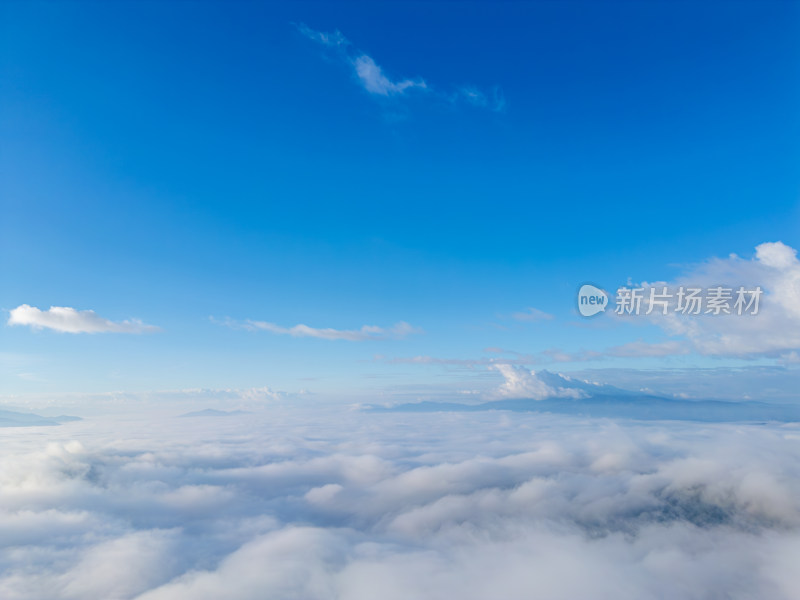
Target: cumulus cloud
x,y
522,383
773,331
327,503
69,320
375,81
365,333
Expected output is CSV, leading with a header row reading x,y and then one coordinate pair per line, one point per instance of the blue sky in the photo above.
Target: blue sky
x,y
202,166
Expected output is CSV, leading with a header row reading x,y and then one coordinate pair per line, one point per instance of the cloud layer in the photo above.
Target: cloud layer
x,y
69,320
330,503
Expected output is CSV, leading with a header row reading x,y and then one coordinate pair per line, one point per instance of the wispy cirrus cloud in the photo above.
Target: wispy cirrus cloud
x,y
376,82
68,320
366,332
362,334
531,314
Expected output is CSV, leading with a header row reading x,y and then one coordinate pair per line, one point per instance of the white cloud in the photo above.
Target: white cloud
x,y
329,503
522,383
69,320
334,39
375,81
777,255
367,72
121,567
774,331
366,332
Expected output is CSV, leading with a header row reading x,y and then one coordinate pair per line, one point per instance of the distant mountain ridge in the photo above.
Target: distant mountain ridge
x,y
601,400
11,418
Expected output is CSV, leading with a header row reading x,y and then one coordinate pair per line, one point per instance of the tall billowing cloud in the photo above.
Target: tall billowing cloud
x,y
522,383
376,82
326,503
69,320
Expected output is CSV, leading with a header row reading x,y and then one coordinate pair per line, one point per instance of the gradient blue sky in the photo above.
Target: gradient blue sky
x,y
197,164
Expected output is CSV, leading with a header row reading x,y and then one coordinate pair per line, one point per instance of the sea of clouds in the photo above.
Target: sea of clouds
x,y
340,503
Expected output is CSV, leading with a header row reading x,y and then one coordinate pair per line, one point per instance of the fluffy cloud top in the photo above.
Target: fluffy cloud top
x,y
69,320
341,504
522,383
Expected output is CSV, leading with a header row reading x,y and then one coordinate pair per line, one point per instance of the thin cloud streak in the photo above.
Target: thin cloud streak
x,y
364,333
532,314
